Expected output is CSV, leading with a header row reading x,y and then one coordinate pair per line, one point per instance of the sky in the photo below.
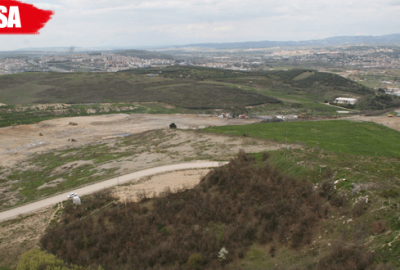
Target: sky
x,y
152,23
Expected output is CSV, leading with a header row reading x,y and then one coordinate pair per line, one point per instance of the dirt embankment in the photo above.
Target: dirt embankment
x,y
22,234
156,184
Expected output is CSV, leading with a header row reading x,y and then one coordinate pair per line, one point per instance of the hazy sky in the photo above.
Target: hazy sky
x,y
93,23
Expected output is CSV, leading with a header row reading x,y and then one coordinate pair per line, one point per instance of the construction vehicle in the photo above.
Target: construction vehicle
x,y
390,115
303,115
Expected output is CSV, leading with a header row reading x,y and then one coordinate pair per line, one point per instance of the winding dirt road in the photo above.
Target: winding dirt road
x,y
105,184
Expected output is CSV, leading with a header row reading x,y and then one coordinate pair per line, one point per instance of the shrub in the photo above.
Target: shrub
x,y
359,209
272,250
35,259
195,260
343,257
378,226
389,193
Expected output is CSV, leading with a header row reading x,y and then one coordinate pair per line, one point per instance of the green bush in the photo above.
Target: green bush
x,y
39,260
36,259
389,193
195,260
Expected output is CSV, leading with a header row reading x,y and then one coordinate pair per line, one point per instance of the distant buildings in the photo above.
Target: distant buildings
x,y
392,91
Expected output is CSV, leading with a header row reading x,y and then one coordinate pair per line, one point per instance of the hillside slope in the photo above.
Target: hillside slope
x,y
246,208
186,87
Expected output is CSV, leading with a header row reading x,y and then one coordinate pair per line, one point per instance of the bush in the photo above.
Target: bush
x,y
389,193
378,226
195,260
343,257
359,209
40,260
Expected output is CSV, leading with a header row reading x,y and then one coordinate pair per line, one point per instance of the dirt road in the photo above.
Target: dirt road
x,y
105,184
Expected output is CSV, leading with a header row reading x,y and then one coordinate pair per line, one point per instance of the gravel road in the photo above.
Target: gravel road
x,y
32,207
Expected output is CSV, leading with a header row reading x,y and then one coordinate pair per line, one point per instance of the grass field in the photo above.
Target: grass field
x,y
314,164
357,138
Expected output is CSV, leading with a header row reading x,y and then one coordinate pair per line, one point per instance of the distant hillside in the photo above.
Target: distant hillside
x,y
165,85
313,80
341,40
191,88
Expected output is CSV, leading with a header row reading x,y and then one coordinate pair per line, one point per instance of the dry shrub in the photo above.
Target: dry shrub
x,y
378,226
383,266
326,190
142,195
233,207
343,257
265,156
359,209
272,250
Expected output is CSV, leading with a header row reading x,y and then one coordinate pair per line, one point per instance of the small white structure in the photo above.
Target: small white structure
x,y
350,101
76,200
73,194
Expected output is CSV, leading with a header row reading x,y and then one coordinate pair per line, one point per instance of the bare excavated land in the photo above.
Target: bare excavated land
x,y
55,156
18,142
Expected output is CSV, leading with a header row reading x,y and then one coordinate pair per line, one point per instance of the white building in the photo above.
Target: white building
x,y
350,101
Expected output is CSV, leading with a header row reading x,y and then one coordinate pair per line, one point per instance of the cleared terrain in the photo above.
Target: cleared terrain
x,y
34,166
17,142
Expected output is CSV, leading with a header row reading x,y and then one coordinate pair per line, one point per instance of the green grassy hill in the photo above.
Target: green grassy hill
x,y
123,87
187,87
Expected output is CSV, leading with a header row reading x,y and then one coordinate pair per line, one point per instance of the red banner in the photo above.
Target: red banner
x,y
18,18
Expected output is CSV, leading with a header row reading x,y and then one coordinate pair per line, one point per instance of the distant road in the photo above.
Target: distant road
x,y
32,207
